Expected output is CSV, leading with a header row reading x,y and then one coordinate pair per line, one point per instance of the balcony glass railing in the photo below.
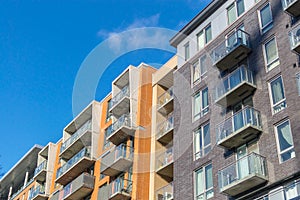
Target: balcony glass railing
x,y
164,159
287,3
85,152
22,188
85,127
252,164
41,167
123,151
295,37
165,193
247,116
123,93
40,189
120,185
124,120
236,39
235,78
165,126
165,97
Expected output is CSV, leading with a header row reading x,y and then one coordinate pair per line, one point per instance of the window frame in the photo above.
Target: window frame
x,y
204,34
236,11
274,62
298,82
199,115
271,95
187,51
200,130
269,25
197,64
205,190
279,152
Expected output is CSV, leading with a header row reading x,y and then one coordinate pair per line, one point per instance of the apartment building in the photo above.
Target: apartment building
x,y
236,102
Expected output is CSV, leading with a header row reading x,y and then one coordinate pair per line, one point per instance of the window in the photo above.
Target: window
x,y
202,141
187,51
108,114
235,10
199,69
204,37
285,143
298,83
107,132
204,183
265,18
292,190
200,104
271,54
277,95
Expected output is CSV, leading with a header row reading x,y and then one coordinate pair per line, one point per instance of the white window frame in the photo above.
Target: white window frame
x,y
278,144
235,10
298,83
271,96
204,182
187,53
204,33
268,26
200,130
199,115
197,64
274,63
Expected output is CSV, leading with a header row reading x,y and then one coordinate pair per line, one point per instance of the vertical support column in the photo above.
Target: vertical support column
x,y
26,178
10,192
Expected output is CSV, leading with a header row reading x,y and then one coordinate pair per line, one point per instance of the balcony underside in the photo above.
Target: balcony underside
x,y
83,141
236,94
233,57
40,197
244,184
166,137
120,165
166,108
297,47
241,136
294,9
41,176
121,135
79,194
120,196
122,107
166,170
75,170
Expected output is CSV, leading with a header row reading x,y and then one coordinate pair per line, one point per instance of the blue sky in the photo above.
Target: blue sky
x,y
42,46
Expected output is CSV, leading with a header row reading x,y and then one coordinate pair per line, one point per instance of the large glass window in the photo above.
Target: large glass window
x,y
199,69
186,51
285,141
202,143
271,54
235,10
277,95
266,19
204,37
200,104
204,183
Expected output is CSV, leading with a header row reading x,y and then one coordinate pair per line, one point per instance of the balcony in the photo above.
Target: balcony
x,y
295,39
232,50
246,173
165,131
239,129
117,161
165,193
121,129
40,172
120,103
82,186
75,166
81,138
235,87
165,102
164,163
38,193
292,7
120,189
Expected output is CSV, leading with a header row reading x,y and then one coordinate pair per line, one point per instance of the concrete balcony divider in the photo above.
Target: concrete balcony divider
x,y
294,36
232,50
165,102
292,7
164,130
120,103
246,173
40,172
165,193
120,189
234,87
117,160
239,129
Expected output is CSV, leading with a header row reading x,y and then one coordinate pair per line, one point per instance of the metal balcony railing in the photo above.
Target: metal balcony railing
x,y
85,152
287,3
164,159
165,193
22,188
41,167
240,119
165,126
124,120
232,80
165,97
120,185
85,127
40,189
125,92
295,37
252,164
